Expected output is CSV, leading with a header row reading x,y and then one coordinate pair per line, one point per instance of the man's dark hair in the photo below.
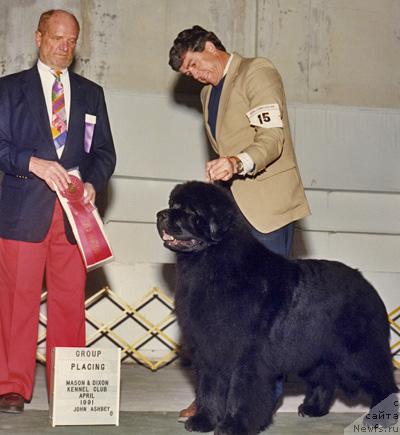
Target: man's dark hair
x,y
193,39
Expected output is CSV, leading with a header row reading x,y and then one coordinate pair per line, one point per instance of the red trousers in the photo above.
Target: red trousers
x,y
22,268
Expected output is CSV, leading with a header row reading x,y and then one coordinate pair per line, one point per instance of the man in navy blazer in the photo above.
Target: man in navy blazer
x,y
35,236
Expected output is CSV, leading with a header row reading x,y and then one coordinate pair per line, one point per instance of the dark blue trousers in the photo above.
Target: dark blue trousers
x,y
280,242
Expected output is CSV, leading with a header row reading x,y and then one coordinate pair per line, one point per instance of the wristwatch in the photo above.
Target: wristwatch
x,y
239,164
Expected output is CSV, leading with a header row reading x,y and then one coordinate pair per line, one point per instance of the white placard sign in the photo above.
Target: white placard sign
x,y
86,386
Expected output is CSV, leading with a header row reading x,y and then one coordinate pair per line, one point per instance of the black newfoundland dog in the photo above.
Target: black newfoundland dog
x,y
252,316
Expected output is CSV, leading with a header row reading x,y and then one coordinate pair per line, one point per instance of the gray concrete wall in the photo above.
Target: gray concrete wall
x,y
343,52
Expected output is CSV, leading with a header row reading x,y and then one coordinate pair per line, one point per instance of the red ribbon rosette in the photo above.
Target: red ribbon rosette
x,y
90,238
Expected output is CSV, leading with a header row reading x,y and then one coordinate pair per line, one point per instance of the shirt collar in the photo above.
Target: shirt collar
x,y
227,65
45,68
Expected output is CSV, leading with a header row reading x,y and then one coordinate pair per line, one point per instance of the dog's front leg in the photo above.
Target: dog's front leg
x,y
250,402
211,390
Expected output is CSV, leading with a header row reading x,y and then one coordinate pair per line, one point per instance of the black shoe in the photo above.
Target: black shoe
x,y
12,403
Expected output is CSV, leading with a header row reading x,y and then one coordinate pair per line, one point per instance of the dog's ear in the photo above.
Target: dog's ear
x,y
219,224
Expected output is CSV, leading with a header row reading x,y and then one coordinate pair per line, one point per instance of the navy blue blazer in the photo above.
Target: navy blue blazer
x,y
26,202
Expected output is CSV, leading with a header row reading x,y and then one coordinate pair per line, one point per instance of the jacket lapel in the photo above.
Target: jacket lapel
x,y
226,91
33,90
205,98
76,116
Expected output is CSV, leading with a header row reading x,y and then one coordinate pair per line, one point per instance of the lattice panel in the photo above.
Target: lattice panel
x,y
146,329
150,330
394,319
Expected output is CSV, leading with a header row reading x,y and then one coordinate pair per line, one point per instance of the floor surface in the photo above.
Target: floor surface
x,y
158,423
150,403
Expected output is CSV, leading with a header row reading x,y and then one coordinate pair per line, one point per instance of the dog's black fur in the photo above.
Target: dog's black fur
x,y
252,316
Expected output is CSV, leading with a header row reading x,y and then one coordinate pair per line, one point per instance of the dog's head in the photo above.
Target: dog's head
x,y
199,215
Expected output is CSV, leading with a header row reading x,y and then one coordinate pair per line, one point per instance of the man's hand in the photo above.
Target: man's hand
x,y
55,175
51,172
223,169
90,193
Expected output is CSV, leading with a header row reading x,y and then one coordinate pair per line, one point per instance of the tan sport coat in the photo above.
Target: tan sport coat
x,y
273,195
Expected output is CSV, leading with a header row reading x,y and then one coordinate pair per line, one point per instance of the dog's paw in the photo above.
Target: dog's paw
x,y
311,411
233,426
199,423
233,431
219,431
300,411
228,431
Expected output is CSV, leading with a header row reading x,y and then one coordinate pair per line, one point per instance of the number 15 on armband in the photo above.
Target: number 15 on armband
x,y
266,116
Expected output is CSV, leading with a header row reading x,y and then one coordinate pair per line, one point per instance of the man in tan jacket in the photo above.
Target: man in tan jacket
x,y
246,120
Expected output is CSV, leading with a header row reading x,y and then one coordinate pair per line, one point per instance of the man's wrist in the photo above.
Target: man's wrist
x,y
248,163
31,164
237,164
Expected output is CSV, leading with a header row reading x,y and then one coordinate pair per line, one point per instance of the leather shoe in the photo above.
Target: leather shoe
x,y
188,412
12,403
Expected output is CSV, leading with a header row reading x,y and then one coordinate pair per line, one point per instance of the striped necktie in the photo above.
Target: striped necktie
x,y
59,116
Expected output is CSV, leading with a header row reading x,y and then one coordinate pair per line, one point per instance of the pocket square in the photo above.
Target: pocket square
x,y
90,122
